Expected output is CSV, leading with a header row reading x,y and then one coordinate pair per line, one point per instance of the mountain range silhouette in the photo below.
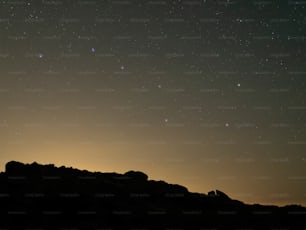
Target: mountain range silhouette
x,y
35,196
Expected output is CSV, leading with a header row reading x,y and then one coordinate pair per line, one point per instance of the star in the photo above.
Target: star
x,y
122,67
226,124
93,50
238,84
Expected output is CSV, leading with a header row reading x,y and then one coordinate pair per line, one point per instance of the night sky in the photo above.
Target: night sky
x,y
207,94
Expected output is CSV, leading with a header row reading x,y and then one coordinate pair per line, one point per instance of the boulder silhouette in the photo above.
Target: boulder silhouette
x,y
221,194
14,167
136,175
35,196
212,193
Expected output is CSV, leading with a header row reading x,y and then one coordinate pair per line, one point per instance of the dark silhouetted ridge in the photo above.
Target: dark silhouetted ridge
x,y
47,197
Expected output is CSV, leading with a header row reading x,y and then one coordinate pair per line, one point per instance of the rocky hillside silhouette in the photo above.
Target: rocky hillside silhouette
x,y
35,196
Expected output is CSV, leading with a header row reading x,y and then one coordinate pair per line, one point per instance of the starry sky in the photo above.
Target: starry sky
x,y
207,94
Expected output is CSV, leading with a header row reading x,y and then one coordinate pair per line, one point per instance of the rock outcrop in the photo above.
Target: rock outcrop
x,y
44,196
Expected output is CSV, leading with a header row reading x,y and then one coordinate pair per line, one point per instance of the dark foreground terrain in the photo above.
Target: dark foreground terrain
x,y
37,196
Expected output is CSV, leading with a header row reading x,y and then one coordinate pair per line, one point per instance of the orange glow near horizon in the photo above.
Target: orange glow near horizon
x,y
173,170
